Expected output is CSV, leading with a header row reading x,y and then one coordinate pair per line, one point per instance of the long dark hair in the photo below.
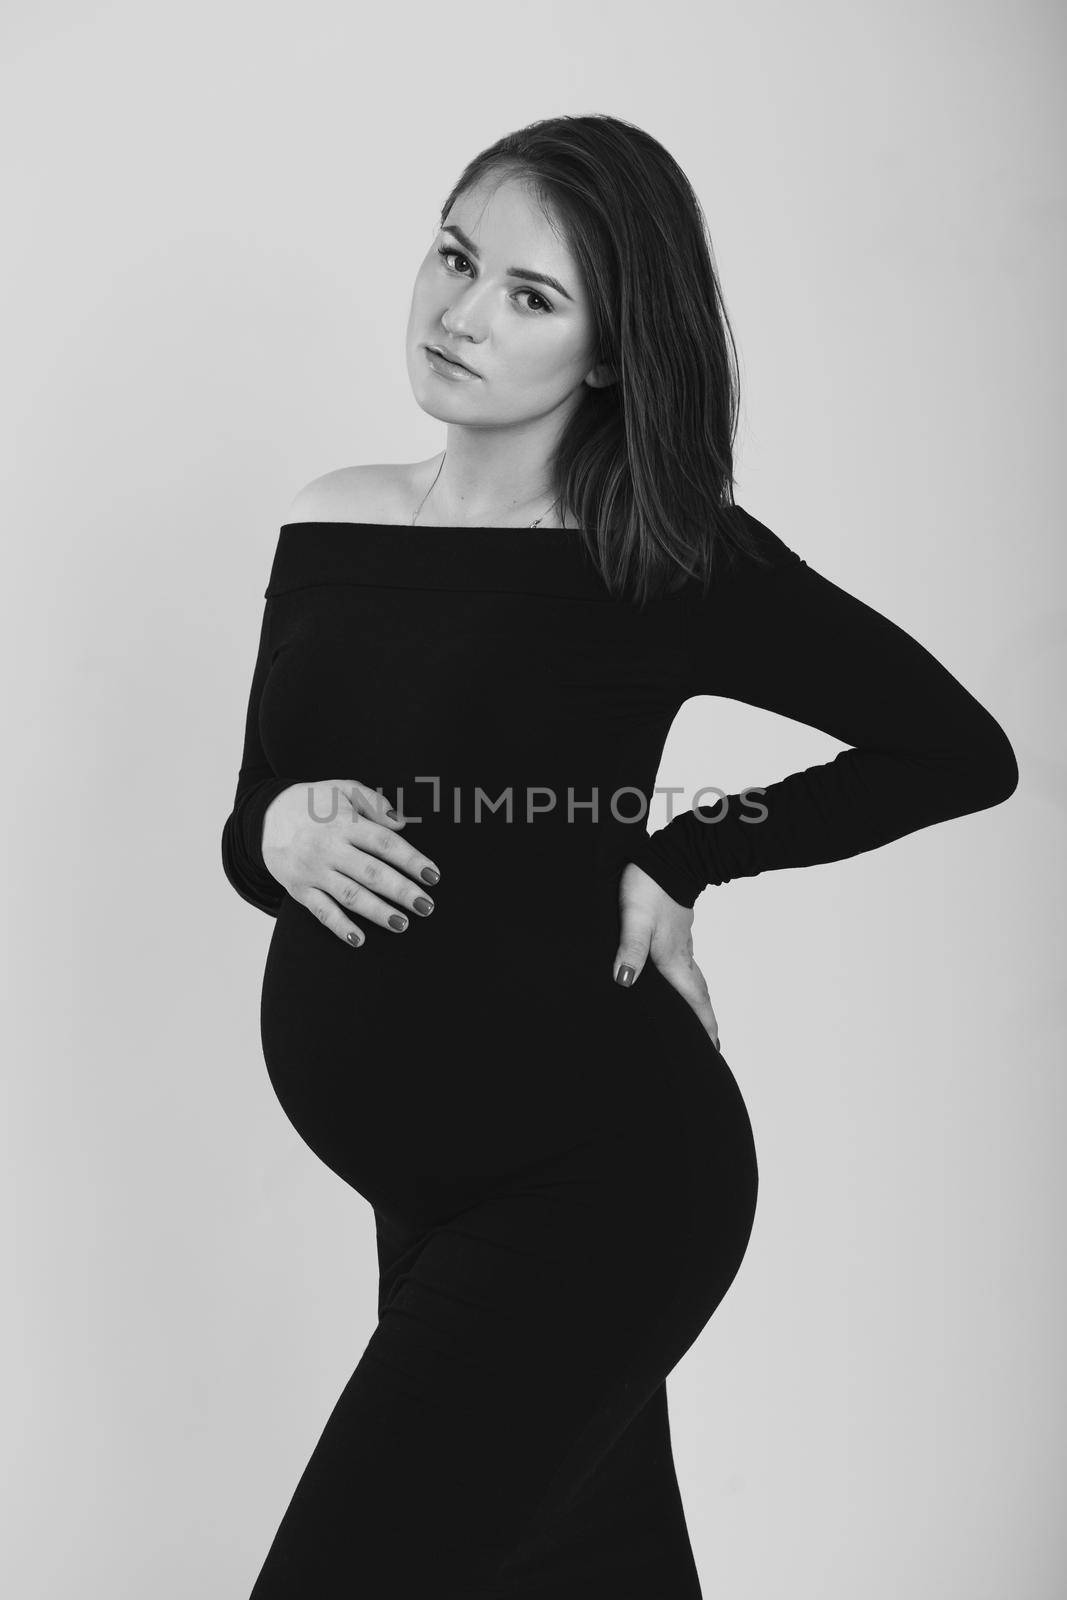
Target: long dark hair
x,y
645,464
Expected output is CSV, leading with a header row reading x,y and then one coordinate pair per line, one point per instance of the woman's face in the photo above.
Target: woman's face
x,y
481,295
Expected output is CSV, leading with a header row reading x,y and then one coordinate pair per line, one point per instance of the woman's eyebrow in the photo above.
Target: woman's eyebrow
x,y
513,272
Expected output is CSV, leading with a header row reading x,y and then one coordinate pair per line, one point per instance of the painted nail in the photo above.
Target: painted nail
x,y
430,875
398,922
625,976
354,939
423,906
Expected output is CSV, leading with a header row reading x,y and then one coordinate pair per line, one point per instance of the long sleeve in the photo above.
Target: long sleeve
x,y
788,640
257,785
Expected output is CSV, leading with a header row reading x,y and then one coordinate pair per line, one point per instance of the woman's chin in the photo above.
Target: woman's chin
x,y
435,404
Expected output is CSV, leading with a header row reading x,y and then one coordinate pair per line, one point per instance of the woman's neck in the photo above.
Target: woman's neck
x,y
477,492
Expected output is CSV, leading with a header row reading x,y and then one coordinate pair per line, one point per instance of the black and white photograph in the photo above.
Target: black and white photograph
x,y
536,647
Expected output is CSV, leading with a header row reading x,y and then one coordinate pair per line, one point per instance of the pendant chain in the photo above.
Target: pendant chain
x,y
437,474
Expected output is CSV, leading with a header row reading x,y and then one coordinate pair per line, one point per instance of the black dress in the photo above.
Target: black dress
x,y
562,1170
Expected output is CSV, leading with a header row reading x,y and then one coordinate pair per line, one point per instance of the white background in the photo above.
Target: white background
x,y
214,215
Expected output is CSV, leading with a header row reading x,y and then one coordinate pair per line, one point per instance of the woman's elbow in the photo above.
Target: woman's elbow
x,y
996,770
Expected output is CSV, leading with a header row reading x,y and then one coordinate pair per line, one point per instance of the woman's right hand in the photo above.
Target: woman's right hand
x,y
333,844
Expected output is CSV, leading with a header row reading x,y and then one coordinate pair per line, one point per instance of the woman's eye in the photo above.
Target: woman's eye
x,y
444,251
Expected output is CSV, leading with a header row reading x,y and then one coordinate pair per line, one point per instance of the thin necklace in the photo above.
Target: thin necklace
x,y
437,474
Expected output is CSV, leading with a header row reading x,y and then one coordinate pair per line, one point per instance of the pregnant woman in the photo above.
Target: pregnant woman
x,y
480,1006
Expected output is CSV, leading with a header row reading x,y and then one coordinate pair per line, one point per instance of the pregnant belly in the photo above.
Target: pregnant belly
x,y
488,1035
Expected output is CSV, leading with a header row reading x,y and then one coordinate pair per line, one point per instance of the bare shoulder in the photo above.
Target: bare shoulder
x,y
382,492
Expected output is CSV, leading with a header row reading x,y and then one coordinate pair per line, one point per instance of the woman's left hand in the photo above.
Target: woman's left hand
x,y
653,925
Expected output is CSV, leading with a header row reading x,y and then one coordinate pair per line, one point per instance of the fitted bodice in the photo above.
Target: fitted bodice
x,y
485,679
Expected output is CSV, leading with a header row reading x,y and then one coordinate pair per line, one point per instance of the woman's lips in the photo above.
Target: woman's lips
x,y
448,369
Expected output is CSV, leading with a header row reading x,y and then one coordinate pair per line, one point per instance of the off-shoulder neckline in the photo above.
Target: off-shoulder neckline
x,y
536,561
428,527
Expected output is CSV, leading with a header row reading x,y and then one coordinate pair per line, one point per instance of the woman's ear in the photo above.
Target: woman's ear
x,y
601,376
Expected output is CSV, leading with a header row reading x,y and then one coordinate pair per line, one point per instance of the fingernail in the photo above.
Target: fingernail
x,y
625,976
423,906
430,875
354,939
390,812
398,922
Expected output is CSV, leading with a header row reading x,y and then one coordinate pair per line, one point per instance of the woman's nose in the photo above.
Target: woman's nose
x,y
464,318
